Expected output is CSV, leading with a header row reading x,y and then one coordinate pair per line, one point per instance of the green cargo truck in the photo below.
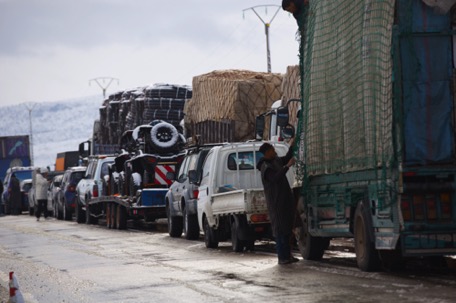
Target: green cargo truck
x,y
376,150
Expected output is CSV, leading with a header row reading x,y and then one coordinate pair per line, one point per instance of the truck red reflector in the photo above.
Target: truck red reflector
x,y
445,206
418,207
259,218
195,194
406,210
431,206
95,191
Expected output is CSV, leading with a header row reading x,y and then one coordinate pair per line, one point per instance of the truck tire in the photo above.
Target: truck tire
x,y
67,215
236,242
164,136
191,227
311,248
80,216
210,236
367,256
175,224
121,217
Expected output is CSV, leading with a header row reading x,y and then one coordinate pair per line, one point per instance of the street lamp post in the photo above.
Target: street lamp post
x,y
30,108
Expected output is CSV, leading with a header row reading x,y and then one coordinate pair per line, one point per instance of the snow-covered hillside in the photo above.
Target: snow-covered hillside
x,y
57,126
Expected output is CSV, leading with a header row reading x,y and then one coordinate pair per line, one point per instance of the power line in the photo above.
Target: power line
x,y
266,27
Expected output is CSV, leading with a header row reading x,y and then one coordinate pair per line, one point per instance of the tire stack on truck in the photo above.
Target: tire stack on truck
x,y
150,151
225,103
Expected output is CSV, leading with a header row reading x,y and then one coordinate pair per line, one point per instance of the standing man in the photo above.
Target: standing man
x,y
279,198
41,188
15,198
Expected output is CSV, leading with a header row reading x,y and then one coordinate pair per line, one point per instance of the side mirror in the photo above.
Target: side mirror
x,y
288,132
170,175
259,127
282,116
193,176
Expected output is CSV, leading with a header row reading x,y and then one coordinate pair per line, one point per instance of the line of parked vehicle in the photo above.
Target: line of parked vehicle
x,y
216,191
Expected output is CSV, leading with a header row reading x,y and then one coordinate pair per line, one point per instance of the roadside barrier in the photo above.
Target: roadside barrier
x,y
15,293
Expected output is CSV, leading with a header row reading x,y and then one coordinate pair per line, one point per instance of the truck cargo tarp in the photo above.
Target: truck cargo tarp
x,y
426,81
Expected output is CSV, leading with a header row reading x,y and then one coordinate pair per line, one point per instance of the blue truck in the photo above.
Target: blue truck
x,y
14,151
376,149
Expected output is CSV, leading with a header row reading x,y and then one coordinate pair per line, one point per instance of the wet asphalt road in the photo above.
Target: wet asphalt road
x,y
58,261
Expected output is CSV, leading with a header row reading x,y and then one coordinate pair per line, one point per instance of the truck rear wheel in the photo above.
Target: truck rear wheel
x,y
236,242
121,218
210,237
175,224
367,256
67,214
191,228
80,217
311,248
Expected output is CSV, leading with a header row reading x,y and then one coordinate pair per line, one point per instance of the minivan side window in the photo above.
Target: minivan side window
x,y
206,170
183,170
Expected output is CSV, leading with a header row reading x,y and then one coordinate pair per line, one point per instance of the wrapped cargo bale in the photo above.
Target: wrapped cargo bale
x,y
292,90
230,100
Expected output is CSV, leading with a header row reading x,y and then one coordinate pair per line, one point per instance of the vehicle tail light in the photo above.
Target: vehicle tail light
x,y
195,194
71,188
95,191
255,218
431,208
418,207
445,205
406,209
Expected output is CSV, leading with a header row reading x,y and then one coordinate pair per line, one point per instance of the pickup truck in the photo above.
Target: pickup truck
x,y
231,202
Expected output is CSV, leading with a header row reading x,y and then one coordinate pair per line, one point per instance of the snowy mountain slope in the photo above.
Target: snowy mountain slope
x,y
57,126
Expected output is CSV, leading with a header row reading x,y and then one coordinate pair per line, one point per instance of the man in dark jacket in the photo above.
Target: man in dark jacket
x,y
279,198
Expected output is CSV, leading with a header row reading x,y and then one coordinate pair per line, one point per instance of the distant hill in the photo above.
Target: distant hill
x,y
57,126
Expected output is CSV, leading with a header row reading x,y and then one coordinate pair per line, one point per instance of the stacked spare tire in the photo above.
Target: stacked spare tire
x,y
147,118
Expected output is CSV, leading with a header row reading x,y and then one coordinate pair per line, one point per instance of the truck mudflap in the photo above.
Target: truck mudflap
x,y
428,243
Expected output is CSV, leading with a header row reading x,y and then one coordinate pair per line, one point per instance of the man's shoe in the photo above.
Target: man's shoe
x,y
284,262
293,259
37,219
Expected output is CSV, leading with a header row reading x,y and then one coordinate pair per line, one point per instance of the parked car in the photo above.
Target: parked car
x,y
93,183
22,173
64,208
182,196
53,192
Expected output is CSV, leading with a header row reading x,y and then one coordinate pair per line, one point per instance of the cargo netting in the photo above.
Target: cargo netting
x,y
346,68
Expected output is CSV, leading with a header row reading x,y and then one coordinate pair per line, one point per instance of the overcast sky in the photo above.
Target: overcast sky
x,y
50,49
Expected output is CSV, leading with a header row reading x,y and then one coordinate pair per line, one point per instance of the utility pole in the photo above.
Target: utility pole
x,y
30,108
266,27
104,86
